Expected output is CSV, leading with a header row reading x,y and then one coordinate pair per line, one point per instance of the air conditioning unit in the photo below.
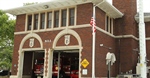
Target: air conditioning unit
x,y
128,76
125,76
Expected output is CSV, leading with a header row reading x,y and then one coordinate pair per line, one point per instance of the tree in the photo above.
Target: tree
x,y
6,40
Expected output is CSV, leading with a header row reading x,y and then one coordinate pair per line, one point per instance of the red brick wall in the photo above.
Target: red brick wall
x,y
20,23
36,43
61,41
128,57
84,13
147,29
127,24
17,41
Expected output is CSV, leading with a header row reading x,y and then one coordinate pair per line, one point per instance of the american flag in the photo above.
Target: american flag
x,y
93,24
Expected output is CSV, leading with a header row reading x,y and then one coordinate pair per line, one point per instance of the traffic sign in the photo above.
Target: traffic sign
x,y
84,63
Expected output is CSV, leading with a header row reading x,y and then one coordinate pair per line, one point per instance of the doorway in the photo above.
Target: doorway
x,y
65,64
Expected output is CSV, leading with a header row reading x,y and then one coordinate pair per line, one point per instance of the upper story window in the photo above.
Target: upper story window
x,y
49,19
56,19
109,24
36,16
64,17
42,24
71,16
29,23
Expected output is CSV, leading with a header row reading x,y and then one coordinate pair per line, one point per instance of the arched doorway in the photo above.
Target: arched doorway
x,y
65,55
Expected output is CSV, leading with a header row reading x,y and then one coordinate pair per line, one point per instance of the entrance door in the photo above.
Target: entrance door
x,y
27,65
67,63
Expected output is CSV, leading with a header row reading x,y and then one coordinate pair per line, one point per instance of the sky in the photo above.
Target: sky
x,y
9,4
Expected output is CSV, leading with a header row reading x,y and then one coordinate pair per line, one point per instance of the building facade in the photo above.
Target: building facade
x,y
60,32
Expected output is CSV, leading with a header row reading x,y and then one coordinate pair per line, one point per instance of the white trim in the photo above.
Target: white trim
x,y
110,10
20,64
67,31
105,32
45,27
67,47
109,24
13,76
52,29
39,22
50,63
120,36
148,38
84,26
59,22
75,15
52,25
67,18
29,36
31,49
45,64
127,36
26,24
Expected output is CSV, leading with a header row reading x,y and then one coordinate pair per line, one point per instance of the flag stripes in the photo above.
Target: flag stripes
x,y
93,24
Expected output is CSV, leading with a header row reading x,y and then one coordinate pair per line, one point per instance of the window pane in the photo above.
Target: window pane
x,y
56,18
107,23
64,16
42,21
49,20
35,21
29,22
71,16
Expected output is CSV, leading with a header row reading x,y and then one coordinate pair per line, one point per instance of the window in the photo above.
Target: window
x,y
53,19
71,16
29,23
42,24
49,20
56,19
64,17
109,24
36,21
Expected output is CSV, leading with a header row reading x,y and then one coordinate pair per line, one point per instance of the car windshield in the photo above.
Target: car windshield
x,y
40,61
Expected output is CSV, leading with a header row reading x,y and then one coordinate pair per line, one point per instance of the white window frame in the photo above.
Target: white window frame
x,y
109,23
46,21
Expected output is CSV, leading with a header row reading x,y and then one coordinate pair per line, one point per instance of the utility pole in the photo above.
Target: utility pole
x,y
142,41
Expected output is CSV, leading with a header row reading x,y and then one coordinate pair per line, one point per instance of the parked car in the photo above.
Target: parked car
x,y
4,72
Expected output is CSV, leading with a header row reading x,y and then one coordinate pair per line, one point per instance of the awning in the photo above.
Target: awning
x,y
102,4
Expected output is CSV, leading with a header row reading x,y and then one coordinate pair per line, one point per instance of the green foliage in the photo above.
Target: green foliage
x,y
6,40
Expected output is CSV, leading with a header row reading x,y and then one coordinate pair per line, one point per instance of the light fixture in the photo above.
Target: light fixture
x,y
45,6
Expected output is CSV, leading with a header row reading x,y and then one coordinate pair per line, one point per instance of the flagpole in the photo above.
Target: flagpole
x,y
142,41
93,45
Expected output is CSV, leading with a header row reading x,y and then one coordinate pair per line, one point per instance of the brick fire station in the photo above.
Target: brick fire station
x,y
54,39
